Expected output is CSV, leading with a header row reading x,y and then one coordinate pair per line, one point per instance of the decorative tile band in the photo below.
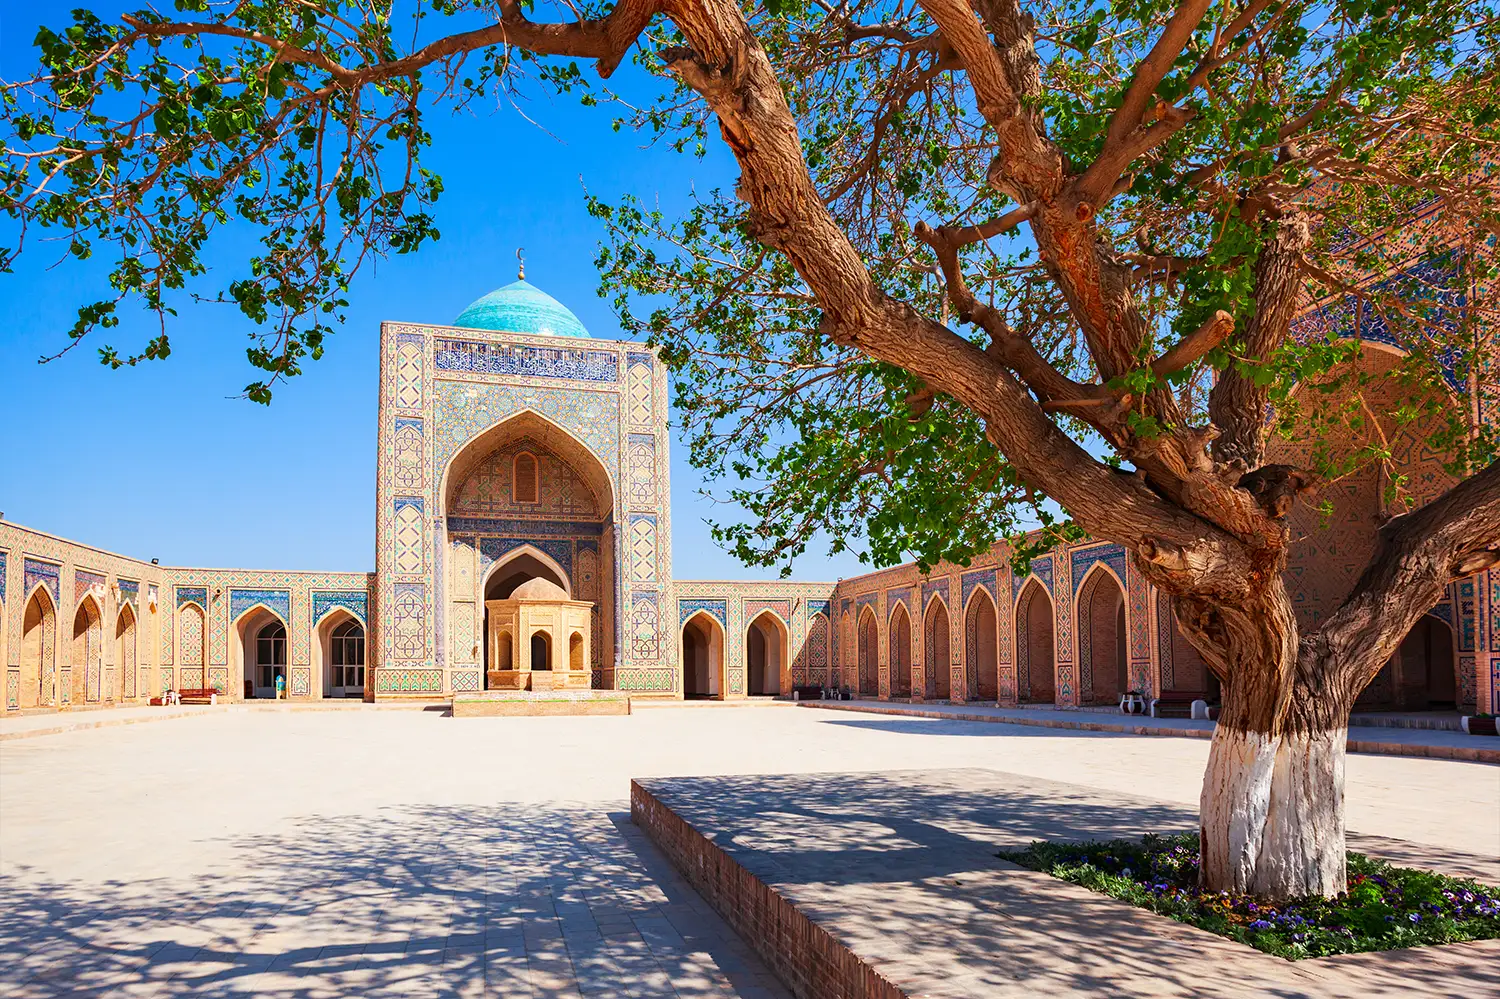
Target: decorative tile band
x,y
35,572
279,601
718,609
478,357
192,595
83,581
510,525
1083,559
354,601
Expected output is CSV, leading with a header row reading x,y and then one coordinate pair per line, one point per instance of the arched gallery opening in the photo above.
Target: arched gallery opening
x,y
1427,669
340,655
88,651
1035,650
869,654
1183,670
900,652
541,651
765,654
260,639
125,649
38,650
936,647
1101,634
981,638
527,500
702,657
191,647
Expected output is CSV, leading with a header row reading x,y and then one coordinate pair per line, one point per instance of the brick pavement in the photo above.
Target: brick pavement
x,y
302,853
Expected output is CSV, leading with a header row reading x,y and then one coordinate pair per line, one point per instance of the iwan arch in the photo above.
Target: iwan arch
x,y
523,540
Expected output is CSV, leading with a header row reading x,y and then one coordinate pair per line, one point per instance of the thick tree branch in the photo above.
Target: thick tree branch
x,y
1416,556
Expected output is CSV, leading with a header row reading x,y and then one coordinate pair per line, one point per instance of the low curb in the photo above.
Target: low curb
x,y
1467,754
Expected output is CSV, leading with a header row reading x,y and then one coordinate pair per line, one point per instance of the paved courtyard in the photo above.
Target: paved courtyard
x,y
302,853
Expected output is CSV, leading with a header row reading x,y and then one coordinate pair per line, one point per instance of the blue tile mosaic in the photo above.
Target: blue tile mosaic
x,y
634,358
899,595
535,528
416,338
192,594
1041,568
83,581
34,572
931,586
278,601
560,550
402,502
130,591
971,580
1083,559
719,609
476,357
818,607
354,601
864,599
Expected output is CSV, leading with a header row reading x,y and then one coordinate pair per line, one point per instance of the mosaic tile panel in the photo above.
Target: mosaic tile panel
x,y
85,581
35,572
278,602
491,550
642,542
938,586
645,625
465,680
13,688
301,681
464,410
409,445
218,679
411,536
129,591
489,358
782,608
192,594
408,681
717,608
1083,558
353,601
410,616
640,470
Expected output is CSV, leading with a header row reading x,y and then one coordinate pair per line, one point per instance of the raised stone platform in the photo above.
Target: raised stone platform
x,y
886,885
534,703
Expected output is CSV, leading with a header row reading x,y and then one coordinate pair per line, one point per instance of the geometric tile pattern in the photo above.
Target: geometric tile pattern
x,y
278,602
353,601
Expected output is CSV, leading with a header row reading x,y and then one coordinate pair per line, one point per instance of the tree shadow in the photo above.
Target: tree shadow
x,y
545,901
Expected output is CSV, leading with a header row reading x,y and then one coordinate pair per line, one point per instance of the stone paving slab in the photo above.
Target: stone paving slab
x,y
897,871
1430,743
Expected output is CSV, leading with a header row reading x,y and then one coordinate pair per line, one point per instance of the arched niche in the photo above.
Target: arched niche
x,y
261,647
765,655
125,650
869,653
1036,651
703,674
339,655
38,650
937,648
87,661
981,653
1102,634
900,651
566,513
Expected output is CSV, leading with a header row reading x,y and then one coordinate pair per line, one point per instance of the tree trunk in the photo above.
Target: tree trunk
x,y
1272,813
1272,808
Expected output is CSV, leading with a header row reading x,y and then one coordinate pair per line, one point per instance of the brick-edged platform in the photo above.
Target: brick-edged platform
x,y
884,885
531,703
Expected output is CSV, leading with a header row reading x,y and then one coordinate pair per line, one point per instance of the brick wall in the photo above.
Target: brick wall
x,y
806,958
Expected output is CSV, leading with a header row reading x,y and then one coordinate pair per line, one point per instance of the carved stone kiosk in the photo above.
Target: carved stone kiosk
x,y
539,639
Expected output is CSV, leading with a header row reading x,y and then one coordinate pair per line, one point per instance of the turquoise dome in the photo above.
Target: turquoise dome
x,y
521,308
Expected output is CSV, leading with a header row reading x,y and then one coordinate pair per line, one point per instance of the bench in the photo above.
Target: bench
x,y
808,692
198,695
1176,703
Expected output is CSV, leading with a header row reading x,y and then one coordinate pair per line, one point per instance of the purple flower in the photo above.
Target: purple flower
x,y
1260,924
1415,917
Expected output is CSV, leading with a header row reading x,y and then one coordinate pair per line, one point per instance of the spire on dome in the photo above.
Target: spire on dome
x,y
521,264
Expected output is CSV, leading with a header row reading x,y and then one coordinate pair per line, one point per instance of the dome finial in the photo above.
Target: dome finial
x,y
521,262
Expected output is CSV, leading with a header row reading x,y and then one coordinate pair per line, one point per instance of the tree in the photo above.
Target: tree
x,y
981,263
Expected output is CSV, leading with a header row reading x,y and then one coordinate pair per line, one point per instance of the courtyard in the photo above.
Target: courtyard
x,y
284,852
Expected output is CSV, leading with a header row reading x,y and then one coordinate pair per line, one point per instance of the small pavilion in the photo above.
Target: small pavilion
x,y
539,639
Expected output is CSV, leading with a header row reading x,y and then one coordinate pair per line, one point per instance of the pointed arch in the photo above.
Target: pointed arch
x,y
848,650
338,654
192,643
937,650
899,630
524,560
38,649
766,643
869,652
527,422
703,670
250,675
981,649
1103,661
126,648
816,649
87,660
1036,652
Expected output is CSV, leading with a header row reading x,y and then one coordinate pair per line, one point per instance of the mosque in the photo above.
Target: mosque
x,y
523,542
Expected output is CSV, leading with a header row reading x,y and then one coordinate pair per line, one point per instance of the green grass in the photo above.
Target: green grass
x,y
1386,907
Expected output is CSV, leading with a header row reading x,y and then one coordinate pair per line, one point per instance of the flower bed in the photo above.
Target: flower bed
x,y
1385,907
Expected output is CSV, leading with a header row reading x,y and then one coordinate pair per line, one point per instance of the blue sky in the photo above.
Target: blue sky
x,y
165,461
